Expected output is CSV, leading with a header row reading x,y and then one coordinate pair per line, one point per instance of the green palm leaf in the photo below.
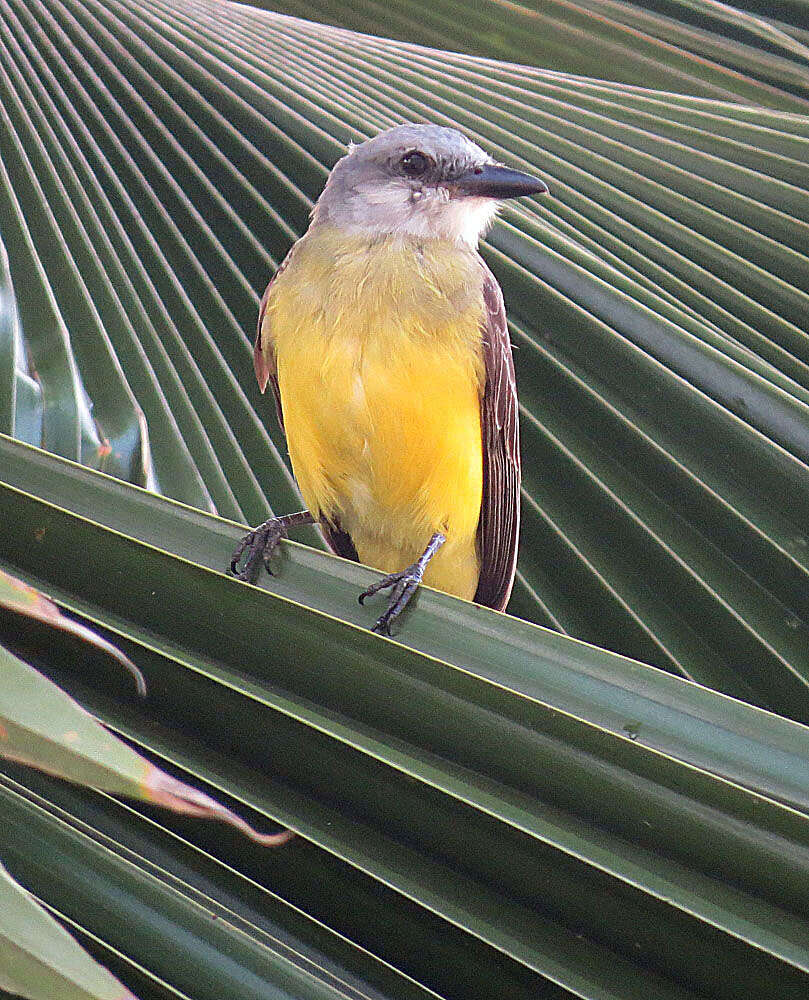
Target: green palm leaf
x,y
510,784
59,968
485,808
657,302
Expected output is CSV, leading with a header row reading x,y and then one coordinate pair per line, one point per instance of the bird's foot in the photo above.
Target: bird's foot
x,y
403,585
261,542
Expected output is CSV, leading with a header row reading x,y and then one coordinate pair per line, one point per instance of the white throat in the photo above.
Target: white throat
x,y
394,209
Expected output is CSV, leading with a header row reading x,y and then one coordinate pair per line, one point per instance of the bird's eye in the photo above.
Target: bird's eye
x,y
414,163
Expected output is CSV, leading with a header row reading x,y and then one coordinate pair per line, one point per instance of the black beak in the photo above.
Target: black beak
x,y
493,181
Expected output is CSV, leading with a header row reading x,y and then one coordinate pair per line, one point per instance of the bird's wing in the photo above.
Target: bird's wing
x,y
499,524
263,356
338,540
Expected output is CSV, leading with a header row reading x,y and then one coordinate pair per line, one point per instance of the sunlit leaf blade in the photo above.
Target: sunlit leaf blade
x,y
700,48
504,788
11,364
103,518
42,726
39,960
658,298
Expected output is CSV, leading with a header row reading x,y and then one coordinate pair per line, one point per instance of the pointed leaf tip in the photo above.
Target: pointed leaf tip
x,y
42,726
164,790
19,597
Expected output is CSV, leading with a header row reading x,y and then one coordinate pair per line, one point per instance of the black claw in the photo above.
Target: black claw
x,y
382,627
382,584
237,554
403,585
259,545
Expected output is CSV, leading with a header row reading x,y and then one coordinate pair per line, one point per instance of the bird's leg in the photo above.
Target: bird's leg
x,y
261,542
404,585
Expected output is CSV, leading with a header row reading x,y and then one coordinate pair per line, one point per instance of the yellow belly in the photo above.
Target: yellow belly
x,y
379,366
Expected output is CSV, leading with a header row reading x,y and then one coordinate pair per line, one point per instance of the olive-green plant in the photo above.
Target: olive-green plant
x,y
486,806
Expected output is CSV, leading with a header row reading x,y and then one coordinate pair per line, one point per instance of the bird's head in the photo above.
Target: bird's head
x,y
419,180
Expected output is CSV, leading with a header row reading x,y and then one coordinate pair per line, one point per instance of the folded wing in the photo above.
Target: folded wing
x,y
499,526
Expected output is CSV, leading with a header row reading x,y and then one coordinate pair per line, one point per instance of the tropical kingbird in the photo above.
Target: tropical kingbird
x,y
383,335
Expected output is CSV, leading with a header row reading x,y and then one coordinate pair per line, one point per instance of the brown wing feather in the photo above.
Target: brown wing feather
x,y
499,526
338,540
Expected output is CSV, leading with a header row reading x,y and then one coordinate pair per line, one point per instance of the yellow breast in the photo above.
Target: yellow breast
x,y
379,359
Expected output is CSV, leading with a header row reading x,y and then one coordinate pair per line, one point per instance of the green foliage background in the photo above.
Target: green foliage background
x,y
487,808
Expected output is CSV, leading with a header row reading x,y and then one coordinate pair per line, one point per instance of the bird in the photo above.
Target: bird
x,y
383,336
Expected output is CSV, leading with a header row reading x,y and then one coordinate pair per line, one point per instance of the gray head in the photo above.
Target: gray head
x,y
419,180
